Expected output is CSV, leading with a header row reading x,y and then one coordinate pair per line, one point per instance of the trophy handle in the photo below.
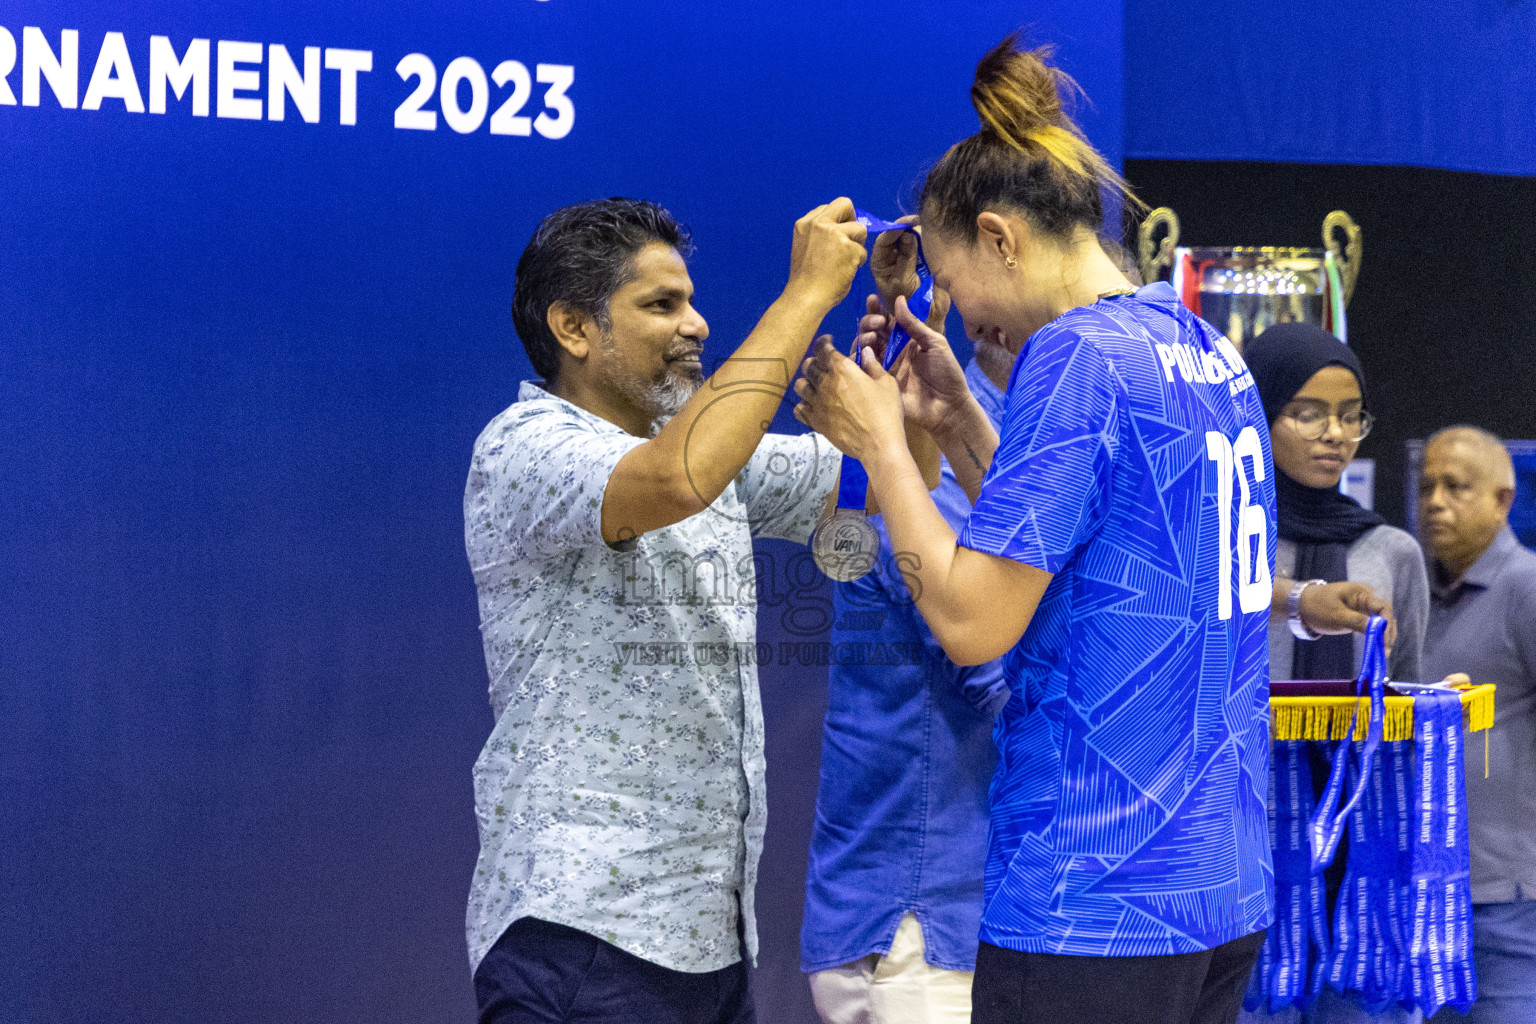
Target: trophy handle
x,y
1348,254
1153,258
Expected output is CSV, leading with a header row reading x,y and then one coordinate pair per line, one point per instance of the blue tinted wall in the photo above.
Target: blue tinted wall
x,y
1426,83
243,358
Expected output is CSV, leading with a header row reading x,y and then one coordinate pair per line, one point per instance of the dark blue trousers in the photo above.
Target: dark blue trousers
x,y
543,973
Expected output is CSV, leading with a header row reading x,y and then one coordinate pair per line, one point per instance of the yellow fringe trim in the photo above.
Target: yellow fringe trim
x,y
1328,718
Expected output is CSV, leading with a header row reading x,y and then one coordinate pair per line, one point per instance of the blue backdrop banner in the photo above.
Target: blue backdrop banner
x,y
1429,83
255,273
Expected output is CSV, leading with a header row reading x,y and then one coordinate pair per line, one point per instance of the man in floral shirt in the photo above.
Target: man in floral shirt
x,y
609,517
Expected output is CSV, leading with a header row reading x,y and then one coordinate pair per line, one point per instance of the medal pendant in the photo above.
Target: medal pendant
x,y
845,545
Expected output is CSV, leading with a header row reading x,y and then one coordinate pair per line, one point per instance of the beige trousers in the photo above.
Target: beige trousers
x,y
897,988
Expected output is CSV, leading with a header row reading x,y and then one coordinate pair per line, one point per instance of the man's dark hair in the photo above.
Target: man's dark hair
x,y
580,255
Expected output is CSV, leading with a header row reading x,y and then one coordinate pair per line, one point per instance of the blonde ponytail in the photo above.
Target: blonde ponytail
x,y
1029,153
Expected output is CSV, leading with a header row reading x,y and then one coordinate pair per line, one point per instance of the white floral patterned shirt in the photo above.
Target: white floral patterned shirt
x,y
621,791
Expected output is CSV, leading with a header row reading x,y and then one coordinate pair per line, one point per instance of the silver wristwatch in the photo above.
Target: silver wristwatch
x,y
1293,610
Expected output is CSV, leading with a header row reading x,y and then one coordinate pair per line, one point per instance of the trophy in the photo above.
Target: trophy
x,y
1241,290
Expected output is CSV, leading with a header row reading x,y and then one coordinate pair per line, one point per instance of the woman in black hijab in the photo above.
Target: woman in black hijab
x,y
1313,390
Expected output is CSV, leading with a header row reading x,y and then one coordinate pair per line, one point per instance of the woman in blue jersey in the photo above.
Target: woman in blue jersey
x,y
1119,557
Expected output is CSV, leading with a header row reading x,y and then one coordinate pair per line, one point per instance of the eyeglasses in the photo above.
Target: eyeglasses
x,y
1312,423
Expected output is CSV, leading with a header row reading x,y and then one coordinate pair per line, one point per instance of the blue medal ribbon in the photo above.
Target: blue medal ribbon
x,y
1327,825
853,485
1437,904
1298,939
921,302
1368,957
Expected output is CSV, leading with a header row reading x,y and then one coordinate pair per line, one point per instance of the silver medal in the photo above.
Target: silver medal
x,y
845,545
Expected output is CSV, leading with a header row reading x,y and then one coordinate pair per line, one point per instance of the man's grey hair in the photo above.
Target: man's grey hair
x,y
1489,443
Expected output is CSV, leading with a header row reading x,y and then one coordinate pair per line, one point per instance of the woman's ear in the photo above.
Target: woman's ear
x,y
998,235
574,330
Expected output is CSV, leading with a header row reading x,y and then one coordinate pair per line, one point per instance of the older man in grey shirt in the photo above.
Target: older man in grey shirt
x,y
1483,622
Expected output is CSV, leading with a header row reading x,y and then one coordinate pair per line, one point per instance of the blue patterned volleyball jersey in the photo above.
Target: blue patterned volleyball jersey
x,y
1128,808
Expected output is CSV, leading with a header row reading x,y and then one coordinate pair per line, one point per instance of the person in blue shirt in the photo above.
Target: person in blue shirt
x,y
894,882
1119,556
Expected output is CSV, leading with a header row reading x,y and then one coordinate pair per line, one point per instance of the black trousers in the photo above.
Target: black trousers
x,y
1182,988
543,973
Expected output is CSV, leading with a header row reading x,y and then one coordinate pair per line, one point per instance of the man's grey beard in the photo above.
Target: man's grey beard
x,y
669,397
659,400
995,361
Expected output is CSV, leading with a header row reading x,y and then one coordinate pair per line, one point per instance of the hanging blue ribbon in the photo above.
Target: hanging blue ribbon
x,y
1437,908
1299,936
1327,826
853,486
921,301
1368,957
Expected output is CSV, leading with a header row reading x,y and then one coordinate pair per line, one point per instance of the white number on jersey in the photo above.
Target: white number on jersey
x,y
1251,550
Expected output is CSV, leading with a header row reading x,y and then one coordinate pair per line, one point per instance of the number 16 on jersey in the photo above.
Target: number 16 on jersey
x,y
1251,545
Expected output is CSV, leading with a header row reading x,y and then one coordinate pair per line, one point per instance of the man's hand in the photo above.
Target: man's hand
x,y
857,409
1346,607
828,250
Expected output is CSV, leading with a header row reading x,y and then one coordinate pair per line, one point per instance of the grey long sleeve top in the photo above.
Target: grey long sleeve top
x,y
1391,561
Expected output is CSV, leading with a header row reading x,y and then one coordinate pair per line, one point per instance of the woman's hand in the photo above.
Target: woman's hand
x,y
935,396
858,409
874,327
1345,607
893,262
934,392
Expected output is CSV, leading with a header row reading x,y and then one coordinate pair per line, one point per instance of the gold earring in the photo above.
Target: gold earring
x,y
1010,262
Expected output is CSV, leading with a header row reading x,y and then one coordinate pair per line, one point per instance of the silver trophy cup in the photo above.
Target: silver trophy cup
x,y
1241,290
